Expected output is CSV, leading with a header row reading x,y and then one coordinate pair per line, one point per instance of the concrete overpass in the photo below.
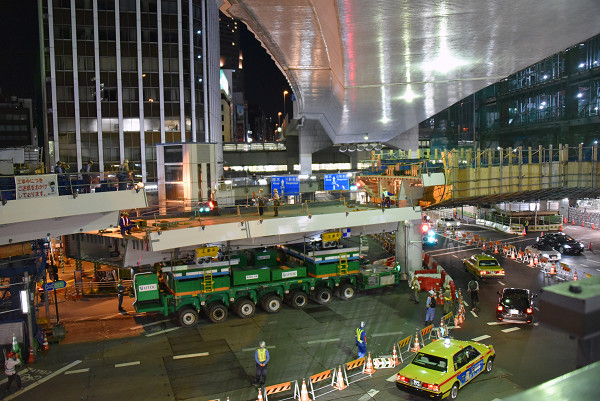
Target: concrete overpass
x,y
380,67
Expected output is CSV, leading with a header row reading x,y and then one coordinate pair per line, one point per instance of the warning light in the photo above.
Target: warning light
x,y
424,228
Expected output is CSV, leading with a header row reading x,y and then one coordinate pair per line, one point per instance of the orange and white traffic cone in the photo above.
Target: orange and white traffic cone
x,y
543,234
593,226
513,253
45,345
573,221
259,395
369,369
582,223
553,268
590,247
304,392
524,233
483,246
560,228
416,347
531,262
31,358
575,275
536,261
565,220
395,360
496,248
340,384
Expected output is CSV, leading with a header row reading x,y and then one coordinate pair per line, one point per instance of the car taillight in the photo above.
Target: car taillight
x,y
432,387
501,272
211,205
500,308
484,272
529,311
401,378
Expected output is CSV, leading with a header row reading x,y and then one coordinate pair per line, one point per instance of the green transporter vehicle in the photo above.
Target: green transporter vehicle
x,y
219,284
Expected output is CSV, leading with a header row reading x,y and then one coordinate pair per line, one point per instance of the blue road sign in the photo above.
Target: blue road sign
x,y
286,185
55,285
336,182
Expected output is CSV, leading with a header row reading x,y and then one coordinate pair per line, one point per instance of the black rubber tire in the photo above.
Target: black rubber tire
x,y
298,299
454,391
216,312
244,308
322,295
271,303
561,250
346,292
188,317
489,365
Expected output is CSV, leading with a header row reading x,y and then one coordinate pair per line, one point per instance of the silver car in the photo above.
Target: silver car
x,y
542,250
448,223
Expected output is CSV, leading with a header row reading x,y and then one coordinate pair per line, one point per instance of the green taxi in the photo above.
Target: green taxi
x,y
443,367
484,266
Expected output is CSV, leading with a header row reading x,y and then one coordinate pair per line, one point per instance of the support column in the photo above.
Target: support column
x,y
312,138
409,246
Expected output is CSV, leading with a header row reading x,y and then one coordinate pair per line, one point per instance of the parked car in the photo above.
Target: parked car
x,y
447,223
542,250
515,305
443,367
484,266
562,242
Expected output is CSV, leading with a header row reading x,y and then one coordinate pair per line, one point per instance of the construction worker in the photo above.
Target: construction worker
x,y
10,370
430,314
275,202
415,287
125,223
361,340
447,295
261,356
120,292
473,288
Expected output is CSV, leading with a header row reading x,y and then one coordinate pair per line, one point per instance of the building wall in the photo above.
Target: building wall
x,y
124,75
16,123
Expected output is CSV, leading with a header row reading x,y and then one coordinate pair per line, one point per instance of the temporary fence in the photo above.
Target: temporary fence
x,y
283,389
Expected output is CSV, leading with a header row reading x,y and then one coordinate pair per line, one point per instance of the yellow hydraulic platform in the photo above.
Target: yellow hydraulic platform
x,y
343,265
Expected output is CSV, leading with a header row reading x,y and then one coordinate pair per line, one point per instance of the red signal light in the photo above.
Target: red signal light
x,y
500,308
529,311
424,228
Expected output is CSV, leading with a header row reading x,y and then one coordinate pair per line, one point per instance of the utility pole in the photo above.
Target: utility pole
x,y
27,308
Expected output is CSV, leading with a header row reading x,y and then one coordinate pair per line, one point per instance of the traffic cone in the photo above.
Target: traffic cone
x,y
395,360
340,384
531,262
512,253
31,358
369,369
45,345
456,320
259,395
483,247
442,328
553,268
496,248
593,226
524,232
416,347
573,221
590,247
582,224
304,392
565,220
536,261
560,228
575,275
543,234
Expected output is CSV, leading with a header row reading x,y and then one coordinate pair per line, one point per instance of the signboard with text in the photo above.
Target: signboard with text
x,y
36,186
336,182
286,185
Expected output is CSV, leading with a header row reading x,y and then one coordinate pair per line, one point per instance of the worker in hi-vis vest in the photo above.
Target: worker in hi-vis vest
x,y
261,356
361,340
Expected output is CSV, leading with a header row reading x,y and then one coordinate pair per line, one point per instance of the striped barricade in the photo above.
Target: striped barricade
x,y
403,343
447,318
283,387
352,369
322,384
564,272
426,332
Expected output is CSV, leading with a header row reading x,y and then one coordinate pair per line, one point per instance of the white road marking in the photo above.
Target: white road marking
x,y
493,323
483,337
501,283
598,270
536,308
72,372
465,303
582,265
456,256
38,382
122,365
329,340
390,333
370,394
162,331
150,324
511,329
474,314
190,355
254,348
391,378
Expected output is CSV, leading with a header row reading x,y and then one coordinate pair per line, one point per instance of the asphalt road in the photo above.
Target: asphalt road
x,y
161,361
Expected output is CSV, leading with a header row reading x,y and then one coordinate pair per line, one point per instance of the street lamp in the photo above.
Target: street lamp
x,y
279,117
284,94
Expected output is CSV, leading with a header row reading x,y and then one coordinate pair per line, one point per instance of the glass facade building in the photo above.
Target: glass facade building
x,y
124,75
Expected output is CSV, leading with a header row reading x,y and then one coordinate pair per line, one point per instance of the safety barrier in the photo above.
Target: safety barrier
x,y
325,386
426,332
283,387
404,343
354,367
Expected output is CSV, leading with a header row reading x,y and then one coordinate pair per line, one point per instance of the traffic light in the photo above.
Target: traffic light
x,y
424,228
355,186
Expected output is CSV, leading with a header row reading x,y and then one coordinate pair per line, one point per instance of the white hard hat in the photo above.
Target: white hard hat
x,y
261,344
432,292
362,325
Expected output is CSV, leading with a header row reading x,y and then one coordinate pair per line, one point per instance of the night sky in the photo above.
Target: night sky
x,y
19,66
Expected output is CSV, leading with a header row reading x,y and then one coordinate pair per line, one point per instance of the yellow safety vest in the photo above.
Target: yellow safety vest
x,y
262,354
359,334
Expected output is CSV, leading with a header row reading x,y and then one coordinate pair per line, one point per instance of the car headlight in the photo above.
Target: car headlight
x,y
566,246
458,224
545,255
447,224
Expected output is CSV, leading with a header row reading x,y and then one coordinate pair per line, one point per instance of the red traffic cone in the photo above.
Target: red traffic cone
x,y
565,220
340,384
524,232
416,347
31,358
582,224
575,275
590,247
553,268
593,226
369,369
531,262
560,228
304,392
573,221
395,360
45,345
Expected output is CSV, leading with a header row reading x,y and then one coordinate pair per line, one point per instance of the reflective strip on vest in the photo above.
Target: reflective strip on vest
x,y
359,335
262,354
